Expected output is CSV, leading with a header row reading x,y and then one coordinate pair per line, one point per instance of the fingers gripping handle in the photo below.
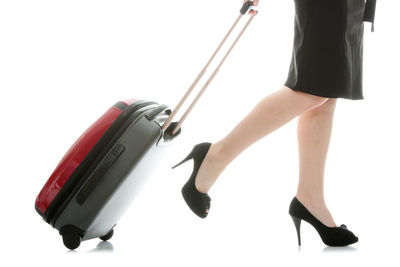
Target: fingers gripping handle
x,y
246,7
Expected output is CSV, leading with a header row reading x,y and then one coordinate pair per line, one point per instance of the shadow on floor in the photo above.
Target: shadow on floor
x,y
103,246
347,249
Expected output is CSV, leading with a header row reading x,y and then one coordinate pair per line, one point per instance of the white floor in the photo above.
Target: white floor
x,y
248,223
62,63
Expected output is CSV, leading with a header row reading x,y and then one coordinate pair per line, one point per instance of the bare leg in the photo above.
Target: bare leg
x,y
270,113
314,132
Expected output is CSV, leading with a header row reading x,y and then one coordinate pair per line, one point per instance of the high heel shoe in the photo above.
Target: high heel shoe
x,y
331,236
198,202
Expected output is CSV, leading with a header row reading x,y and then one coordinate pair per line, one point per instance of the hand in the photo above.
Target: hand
x,y
255,3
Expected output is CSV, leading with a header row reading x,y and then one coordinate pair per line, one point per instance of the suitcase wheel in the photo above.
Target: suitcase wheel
x,y
107,236
71,236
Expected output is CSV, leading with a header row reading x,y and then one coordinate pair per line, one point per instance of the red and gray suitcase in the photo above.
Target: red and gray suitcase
x,y
103,171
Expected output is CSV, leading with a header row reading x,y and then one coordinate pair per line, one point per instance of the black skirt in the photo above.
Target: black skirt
x,y
327,57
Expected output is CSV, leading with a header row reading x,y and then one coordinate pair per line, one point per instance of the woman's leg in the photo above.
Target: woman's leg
x,y
314,132
270,113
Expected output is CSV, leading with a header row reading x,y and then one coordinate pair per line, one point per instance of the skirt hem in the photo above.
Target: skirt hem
x,y
308,91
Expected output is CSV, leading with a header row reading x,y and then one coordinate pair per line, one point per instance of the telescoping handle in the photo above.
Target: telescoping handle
x,y
174,127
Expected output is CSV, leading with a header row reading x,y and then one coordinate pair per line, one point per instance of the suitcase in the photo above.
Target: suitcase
x,y
100,175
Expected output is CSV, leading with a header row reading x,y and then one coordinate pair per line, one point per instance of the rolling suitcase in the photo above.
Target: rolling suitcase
x,y
103,171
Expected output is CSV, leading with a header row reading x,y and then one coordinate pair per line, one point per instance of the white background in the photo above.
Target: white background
x,y
63,63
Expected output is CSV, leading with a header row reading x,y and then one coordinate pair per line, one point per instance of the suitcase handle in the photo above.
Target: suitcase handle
x,y
246,6
153,114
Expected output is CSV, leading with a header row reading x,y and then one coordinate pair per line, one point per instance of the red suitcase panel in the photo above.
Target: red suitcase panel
x,y
75,156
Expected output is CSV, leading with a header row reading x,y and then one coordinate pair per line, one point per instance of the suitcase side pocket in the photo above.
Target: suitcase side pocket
x,y
99,173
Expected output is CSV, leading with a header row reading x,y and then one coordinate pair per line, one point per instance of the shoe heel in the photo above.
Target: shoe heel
x,y
297,222
184,160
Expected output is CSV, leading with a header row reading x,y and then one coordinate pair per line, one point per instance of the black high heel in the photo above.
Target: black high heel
x,y
331,236
198,202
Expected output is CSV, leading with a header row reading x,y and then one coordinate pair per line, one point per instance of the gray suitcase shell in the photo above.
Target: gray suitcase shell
x,y
96,207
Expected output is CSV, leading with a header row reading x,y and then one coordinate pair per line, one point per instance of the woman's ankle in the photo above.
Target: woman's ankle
x,y
216,155
310,197
210,169
316,205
